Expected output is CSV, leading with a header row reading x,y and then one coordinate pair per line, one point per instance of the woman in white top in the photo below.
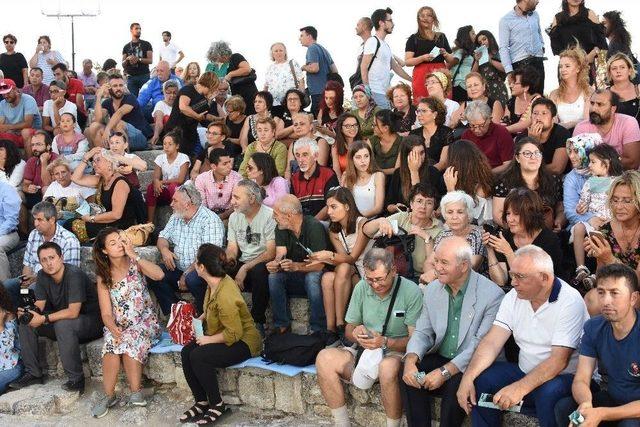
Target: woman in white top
x,y
70,143
45,58
11,165
53,108
572,96
62,188
162,109
279,76
438,84
350,244
365,180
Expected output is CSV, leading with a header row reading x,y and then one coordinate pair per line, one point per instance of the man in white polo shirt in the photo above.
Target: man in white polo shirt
x,y
545,316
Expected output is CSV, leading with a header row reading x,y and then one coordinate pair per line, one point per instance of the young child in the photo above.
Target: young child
x,y
170,171
604,166
69,143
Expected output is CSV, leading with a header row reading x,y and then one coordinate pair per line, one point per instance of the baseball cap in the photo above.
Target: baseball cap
x,y
6,85
59,84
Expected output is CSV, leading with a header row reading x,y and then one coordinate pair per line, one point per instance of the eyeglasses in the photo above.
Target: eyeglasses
x,y
376,280
518,276
348,126
621,201
422,111
184,190
213,133
480,126
120,134
531,154
9,42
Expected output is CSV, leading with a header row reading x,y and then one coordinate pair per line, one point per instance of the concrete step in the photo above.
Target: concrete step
x,y
148,156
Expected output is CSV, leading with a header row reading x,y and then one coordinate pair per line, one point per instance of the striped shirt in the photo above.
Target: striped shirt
x,y
64,238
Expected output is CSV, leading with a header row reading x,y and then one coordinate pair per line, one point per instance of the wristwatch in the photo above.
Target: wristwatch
x,y
384,343
138,258
46,319
445,373
92,218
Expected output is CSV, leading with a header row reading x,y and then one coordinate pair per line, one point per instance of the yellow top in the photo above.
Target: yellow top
x,y
278,151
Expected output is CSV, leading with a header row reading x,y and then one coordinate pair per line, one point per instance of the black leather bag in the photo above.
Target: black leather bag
x,y
243,80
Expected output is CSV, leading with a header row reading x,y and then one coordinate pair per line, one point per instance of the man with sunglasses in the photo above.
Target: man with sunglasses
x,y
19,116
252,242
12,63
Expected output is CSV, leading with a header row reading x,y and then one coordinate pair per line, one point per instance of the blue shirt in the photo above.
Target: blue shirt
x,y
572,186
619,360
67,241
134,117
317,81
152,90
26,106
520,38
9,208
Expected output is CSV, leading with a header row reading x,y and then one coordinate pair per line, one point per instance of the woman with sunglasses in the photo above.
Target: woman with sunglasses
x,y
129,164
261,169
347,132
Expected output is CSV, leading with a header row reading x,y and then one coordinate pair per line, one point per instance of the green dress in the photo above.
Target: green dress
x,y
219,71
366,125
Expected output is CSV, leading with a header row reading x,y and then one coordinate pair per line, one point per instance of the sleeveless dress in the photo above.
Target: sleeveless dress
x,y
631,107
365,195
571,112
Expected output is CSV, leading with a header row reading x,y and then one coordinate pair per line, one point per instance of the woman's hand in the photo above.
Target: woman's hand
x,y
535,130
597,222
500,244
417,231
450,178
322,256
558,223
116,333
128,246
385,228
205,339
599,248
427,57
414,161
581,208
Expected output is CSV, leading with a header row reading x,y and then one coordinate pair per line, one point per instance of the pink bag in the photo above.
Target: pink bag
x,y
180,322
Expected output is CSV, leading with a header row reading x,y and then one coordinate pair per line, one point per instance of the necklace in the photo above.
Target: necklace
x,y
266,149
628,242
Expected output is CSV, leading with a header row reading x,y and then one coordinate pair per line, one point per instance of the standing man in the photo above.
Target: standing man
x,y
19,116
170,52
318,64
378,61
521,41
38,90
90,83
136,57
13,64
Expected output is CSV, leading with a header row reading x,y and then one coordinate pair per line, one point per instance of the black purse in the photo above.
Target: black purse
x,y
243,80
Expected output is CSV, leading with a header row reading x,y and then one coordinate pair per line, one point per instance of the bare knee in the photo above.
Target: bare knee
x,y
388,370
327,281
331,361
591,300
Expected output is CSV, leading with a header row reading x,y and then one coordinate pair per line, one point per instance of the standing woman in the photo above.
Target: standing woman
x,y
364,110
492,70
622,75
576,24
364,179
573,94
282,75
433,133
461,61
13,64
240,76
330,108
385,142
347,132
419,47
230,337
45,58
400,98
262,104
128,313
617,35
192,73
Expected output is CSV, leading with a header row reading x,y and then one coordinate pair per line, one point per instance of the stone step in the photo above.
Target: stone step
x,y
148,156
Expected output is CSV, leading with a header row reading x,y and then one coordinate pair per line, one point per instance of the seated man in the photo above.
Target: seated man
x,y
610,342
297,236
191,225
382,313
162,110
46,229
38,90
251,241
151,92
125,116
19,116
9,209
313,180
458,310
215,185
545,316
36,177
70,315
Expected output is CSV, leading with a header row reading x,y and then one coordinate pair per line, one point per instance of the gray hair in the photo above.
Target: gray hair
x,y
289,204
477,110
169,84
376,256
217,50
46,208
540,259
463,251
252,189
305,141
192,194
455,197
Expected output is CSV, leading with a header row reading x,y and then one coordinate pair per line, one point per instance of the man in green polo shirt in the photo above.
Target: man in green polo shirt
x,y
459,309
365,319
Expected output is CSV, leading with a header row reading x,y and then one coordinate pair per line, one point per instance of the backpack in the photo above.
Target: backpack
x,y
293,349
180,322
356,78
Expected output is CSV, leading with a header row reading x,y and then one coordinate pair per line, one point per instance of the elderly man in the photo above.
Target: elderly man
x,y
618,130
19,116
312,181
151,92
297,236
382,314
191,225
493,139
458,310
545,317
90,83
38,90
9,208
252,241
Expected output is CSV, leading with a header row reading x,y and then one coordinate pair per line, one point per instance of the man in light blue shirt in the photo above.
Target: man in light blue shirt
x,y
520,37
19,116
151,92
318,64
9,208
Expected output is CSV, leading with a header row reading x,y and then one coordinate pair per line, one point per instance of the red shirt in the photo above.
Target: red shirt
x,y
75,87
496,144
33,169
311,191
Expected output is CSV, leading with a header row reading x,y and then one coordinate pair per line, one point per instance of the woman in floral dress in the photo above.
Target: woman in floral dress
x,y
128,313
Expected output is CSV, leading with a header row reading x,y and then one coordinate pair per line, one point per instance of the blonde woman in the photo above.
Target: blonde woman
x,y
572,95
279,77
191,73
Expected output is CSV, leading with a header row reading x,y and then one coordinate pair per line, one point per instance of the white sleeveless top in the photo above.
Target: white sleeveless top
x,y
365,195
349,241
571,112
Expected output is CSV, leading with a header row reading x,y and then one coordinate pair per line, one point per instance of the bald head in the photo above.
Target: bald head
x,y
289,204
453,261
163,71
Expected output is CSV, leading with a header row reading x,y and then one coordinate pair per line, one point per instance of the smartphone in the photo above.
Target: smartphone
x,y
491,228
198,329
368,334
595,233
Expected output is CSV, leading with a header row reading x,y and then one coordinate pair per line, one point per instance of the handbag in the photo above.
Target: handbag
x,y
401,245
139,234
242,80
307,97
180,325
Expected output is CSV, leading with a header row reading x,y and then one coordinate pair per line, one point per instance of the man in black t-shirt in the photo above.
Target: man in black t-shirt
x,y
68,312
12,63
136,57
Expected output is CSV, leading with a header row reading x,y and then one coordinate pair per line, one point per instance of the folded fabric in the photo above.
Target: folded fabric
x,y
288,370
165,345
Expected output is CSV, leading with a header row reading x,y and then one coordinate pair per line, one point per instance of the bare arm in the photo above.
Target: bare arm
x,y
559,162
399,70
631,155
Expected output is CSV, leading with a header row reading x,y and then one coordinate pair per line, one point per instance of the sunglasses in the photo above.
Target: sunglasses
x,y
9,42
220,187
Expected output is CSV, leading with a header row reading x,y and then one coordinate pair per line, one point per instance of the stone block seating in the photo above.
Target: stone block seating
x,y
254,390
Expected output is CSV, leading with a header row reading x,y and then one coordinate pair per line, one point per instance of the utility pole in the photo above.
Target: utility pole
x,y
73,39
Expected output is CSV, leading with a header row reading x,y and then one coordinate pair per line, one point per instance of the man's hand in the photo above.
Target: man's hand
x,y
433,380
45,157
27,280
535,130
509,396
38,319
289,266
240,276
466,394
205,339
273,266
182,282
168,258
370,343
409,374
592,416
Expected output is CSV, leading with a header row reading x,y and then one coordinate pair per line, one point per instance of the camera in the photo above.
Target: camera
x,y
27,302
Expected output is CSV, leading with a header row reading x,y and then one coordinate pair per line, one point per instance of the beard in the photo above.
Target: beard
x,y
598,119
116,95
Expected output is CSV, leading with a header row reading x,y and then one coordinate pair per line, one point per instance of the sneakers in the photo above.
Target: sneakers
x,y
101,408
25,381
74,385
137,399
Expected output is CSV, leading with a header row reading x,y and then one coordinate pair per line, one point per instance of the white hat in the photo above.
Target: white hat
x,y
366,372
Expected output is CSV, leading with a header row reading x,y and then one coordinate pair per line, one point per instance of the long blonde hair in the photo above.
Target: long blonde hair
x,y
578,55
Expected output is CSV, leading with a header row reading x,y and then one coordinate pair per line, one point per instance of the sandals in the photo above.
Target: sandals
x,y
582,273
194,413
213,414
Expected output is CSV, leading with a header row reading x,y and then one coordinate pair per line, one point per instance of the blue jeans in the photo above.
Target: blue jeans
x,y
381,100
8,376
566,406
137,140
135,83
540,402
281,282
165,289
12,286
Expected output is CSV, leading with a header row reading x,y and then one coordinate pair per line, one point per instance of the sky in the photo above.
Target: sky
x,y
252,26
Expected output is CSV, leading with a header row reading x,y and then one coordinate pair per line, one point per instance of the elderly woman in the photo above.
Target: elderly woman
x,y
262,105
573,94
523,217
45,58
303,128
282,75
365,109
432,114
114,196
293,104
477,91
234,68
235,107
438,84
66,195
400,98
622,73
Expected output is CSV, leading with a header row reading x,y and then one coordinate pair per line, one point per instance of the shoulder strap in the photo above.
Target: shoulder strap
x,y
344,239
391,303
293,73
374,53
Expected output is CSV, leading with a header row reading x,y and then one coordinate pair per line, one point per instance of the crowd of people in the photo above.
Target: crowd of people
x,y
461,235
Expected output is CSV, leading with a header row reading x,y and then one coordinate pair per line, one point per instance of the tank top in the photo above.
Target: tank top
x,y
365,195
571,112
631,107
349,241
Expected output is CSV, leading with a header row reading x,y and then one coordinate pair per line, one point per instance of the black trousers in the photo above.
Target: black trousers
x,y
257,282
199,363
417,401
537,63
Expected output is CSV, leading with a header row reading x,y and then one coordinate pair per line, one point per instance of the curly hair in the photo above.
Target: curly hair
x,y
617,28
578,55
13,156
217,50
436,106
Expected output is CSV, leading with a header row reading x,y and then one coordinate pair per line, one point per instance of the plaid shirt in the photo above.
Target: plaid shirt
x,y
64,238
204,227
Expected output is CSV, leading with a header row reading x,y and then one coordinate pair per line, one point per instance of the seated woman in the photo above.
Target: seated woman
x,y
230,336
526,170
414,168
523,217
170,171
347,132
578,149
432,114
294,103
191,73
525,88
266,143
303,128
66,195
217,137
69,143
418,220
235,119
400,98
129,164
261,169
364,109
11,165
262,104
574,92
438,83
10,366
477,91
114,196
128,313
162,110
364,179
385,141
350,244
330,108
468,170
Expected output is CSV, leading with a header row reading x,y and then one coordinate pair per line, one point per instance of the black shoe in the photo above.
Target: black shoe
x,y
331,339
25,381
280,330
74,385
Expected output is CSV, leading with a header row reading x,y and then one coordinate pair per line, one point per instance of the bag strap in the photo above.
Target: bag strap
x,y
391,303
293,73
374,53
